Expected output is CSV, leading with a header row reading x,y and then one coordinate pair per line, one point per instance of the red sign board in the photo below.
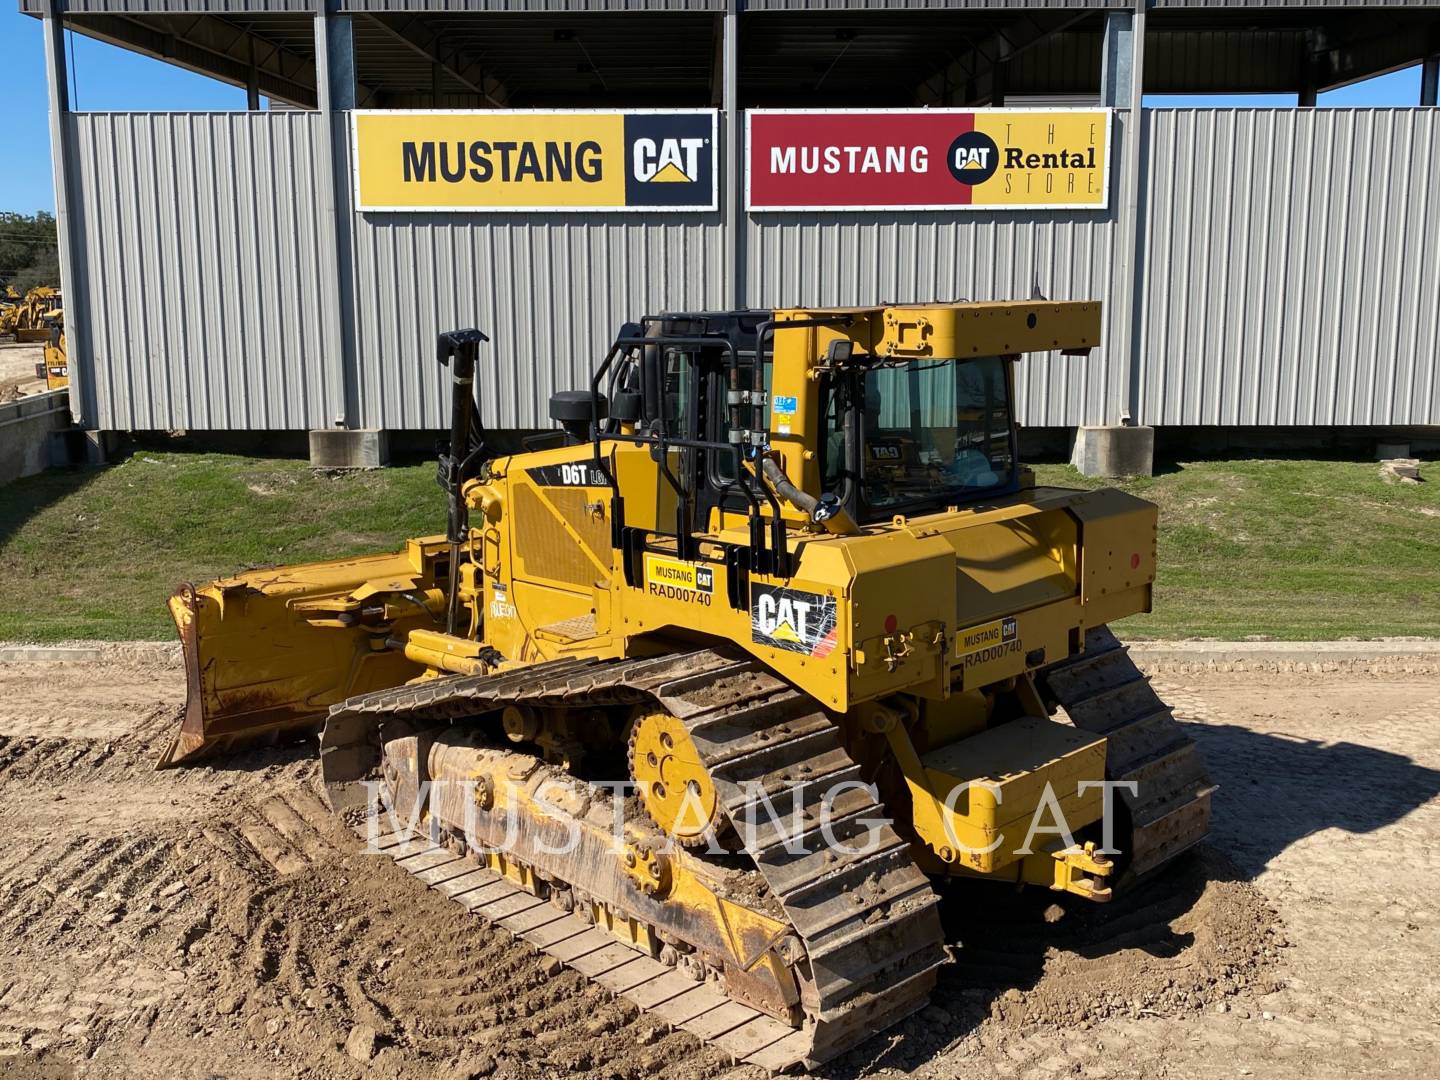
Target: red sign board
x,y
927,159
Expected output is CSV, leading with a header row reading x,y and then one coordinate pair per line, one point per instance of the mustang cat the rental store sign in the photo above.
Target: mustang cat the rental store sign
x,y
928,159
534,160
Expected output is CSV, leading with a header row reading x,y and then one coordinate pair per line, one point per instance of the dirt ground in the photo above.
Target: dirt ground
x,y
17,370
214,922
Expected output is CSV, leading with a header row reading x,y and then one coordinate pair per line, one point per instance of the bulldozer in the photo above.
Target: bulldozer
x,y
705,692
54,368
27,317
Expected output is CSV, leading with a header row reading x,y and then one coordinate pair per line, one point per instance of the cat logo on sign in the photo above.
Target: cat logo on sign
x,y
668,161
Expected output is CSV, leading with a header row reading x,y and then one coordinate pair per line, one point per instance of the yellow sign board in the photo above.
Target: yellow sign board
x,y
534,160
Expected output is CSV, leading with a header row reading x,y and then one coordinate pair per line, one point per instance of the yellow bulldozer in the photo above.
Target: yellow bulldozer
x,y
702,692
27,318
55,367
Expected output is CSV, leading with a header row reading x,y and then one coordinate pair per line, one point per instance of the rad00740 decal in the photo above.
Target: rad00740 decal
x,y
988,641
676,580
792,619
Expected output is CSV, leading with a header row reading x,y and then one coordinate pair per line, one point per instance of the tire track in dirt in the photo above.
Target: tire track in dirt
x,y
239,928
234,908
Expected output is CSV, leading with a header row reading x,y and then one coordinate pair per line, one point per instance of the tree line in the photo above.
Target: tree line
x,y
28,252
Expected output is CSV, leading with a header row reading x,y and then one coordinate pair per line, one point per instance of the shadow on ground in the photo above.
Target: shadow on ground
x,y
22,499
1274,791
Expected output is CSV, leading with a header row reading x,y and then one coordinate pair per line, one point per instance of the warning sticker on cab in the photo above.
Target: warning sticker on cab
x,y
676,580
782,414
986,636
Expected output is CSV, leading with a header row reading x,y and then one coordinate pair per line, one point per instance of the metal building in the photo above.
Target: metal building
x,y
1260,266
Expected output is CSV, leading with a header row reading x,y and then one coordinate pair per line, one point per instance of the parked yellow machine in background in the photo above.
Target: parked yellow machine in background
x,y
783,571
26,317
55,368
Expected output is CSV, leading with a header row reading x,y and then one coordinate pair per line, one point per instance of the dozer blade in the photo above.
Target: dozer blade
x,y
268,652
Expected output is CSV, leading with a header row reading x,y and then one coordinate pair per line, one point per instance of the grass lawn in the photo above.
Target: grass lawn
x,y
1287,549
1282,549
95,553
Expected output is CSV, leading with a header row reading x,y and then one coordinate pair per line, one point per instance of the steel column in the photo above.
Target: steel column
x,y
1308,91
734,160
1117,57
1130,218
1430,80
335,95
252,80
77,327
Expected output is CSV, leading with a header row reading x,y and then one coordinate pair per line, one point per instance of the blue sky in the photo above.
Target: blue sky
x,y
105,77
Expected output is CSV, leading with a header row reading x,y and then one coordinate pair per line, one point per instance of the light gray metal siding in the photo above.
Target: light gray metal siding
x,y
224,7
254,7
1290,267
1236,5
524,7
231,7
865,258
926,5
175,7
205,277
549,289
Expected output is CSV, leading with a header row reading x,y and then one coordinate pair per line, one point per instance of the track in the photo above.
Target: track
x,y
867,920
1102,690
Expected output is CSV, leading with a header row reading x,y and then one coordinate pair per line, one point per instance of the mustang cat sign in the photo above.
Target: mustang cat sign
x,y
927,159
504,160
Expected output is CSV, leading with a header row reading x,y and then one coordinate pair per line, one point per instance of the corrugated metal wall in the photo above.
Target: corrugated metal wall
x,y
235,7
491,7
549,289
168,7
1288,277
924,5
221,7
205,274
861,258
1290,267
1243,4
256,7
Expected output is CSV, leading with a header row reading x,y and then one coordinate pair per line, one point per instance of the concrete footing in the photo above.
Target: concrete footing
x,y
99,447
349,448
1114,451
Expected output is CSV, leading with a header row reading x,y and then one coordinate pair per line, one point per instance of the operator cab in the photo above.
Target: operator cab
x,y
907,437
826,419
